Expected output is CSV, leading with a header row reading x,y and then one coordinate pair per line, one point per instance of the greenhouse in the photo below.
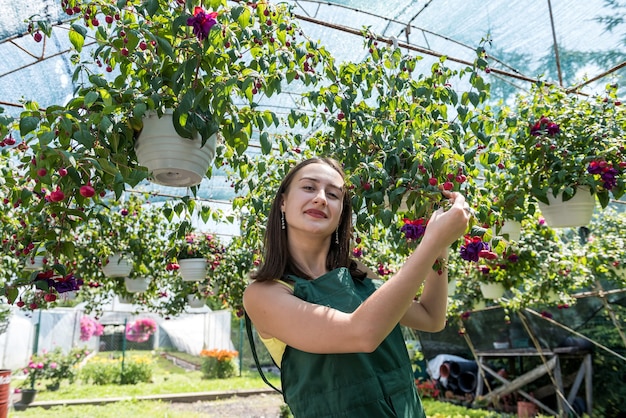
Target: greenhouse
x,y
147,150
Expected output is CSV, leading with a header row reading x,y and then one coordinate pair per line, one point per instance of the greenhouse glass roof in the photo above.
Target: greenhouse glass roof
x,y
575,44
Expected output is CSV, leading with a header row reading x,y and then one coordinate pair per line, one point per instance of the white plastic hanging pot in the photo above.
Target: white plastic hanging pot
x,y
35,263
193,269
195,302
570,214
511,229
117,266
171,159
492,290
124,299
67,296
139,284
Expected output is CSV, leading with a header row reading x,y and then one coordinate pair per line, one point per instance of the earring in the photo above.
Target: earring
x,y
337,235
282,220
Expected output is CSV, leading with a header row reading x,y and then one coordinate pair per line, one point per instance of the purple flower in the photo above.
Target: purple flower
x,y
553,129
472,247
608,177
413,229
202,22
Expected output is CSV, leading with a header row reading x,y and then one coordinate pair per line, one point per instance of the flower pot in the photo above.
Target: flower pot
x,y
35,263
526,409
67,296
498,345
124,299
511,229
195,302
5,392
574,213
117,266
492,290
193,269
171,159
28,396
137,285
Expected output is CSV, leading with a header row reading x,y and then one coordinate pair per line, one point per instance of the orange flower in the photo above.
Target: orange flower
x,y
220,355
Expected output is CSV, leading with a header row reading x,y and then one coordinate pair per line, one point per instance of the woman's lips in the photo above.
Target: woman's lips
x,y
316,213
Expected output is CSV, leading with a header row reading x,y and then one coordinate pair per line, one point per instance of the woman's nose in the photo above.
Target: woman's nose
x,y
320,197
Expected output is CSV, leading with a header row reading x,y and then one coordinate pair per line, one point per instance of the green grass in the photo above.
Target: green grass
x,y
169,379
135,409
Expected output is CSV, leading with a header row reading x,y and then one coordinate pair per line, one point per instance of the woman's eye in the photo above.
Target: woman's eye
x,y
333,195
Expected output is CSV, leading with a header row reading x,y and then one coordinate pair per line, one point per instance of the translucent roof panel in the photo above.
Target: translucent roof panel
x,y
521,47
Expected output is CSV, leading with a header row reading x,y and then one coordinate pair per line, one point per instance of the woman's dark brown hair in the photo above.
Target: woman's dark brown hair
x,y
277,261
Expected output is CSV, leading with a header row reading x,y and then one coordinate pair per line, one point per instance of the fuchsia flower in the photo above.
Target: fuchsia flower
x,y
606,171
475,248
413,229
202,22
544,125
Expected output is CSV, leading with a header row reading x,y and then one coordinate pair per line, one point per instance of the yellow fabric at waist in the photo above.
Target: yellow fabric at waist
x,y
274,346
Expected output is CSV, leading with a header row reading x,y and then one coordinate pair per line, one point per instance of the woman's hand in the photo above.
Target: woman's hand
x,y
446,226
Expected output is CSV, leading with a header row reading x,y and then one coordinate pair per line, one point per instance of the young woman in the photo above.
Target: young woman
x,y
335,337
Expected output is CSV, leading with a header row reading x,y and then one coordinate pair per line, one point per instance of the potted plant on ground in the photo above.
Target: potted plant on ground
x,y
572,147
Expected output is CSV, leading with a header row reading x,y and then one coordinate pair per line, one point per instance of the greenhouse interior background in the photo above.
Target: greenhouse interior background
x,y
576,46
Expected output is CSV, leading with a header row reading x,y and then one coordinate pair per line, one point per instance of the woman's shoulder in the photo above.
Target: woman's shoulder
x,y
267,286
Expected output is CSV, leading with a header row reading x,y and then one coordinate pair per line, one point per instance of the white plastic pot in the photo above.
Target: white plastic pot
x,y
137,285
492,290
570,214
193,269
117,266
171,159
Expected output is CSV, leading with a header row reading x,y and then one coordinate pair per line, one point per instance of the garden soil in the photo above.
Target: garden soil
x,y
254,406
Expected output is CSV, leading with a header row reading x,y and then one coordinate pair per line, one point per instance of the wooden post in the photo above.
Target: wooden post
x,y
523,380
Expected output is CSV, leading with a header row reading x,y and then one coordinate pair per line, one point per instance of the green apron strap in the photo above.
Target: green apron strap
x,y
254,353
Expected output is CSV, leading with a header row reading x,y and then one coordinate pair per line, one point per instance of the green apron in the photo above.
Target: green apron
x,y
378,384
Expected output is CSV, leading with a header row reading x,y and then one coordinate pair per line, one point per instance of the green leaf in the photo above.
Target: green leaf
x,y
266,144
152,6
28,124
90,98
77,36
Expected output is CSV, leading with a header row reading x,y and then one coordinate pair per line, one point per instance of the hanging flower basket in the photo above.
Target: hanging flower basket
x,y
195,302
35,263
137,285
140,330
570,214
511,229
67,296
193,269
492,290
117,266
171,159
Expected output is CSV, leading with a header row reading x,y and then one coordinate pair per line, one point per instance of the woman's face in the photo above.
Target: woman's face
x,y
314,200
